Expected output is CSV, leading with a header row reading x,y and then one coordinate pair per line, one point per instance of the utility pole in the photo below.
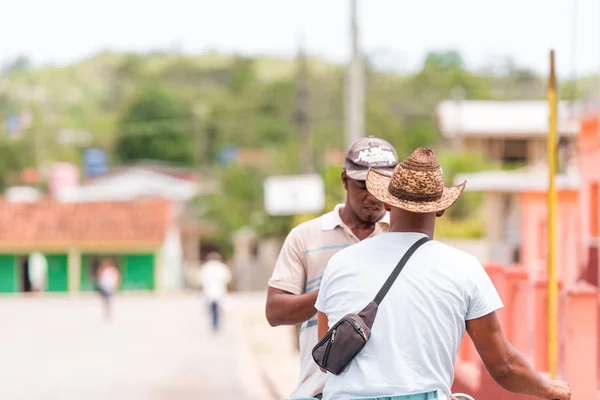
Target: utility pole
x,y
302,112
355,85
39,141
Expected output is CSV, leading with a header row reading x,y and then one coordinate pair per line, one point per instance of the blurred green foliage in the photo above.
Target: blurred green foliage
x,y
185,109
156,126
469,228
454,163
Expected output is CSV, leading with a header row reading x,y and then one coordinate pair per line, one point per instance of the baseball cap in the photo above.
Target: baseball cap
x,y
370,152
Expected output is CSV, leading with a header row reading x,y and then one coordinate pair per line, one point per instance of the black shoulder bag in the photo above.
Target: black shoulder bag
x,y
344,340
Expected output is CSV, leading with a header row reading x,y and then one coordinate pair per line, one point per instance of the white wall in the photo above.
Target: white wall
x,y
479,248
171,259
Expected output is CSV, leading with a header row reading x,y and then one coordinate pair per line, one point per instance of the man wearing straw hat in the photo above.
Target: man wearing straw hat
x,y
295,282
440,293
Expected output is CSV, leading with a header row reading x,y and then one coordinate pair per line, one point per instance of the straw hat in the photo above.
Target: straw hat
x,y
417,185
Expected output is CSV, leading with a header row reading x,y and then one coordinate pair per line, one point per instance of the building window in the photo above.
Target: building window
x,y
515,151
563,155
542,240
594,205
516,255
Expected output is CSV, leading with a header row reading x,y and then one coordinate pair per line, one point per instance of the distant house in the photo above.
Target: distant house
x,y
135,183
159,167
132,184
74,237
511,132
516,212
22,194
505,131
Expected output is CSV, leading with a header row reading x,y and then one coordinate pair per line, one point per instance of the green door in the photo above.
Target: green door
x,y
138,272
87,281
58,280
8,274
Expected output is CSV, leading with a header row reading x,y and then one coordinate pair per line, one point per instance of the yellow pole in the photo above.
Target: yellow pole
x,y
552,200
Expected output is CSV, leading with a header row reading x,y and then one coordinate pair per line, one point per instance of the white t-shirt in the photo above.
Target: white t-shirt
x,y
108,279
215,276
421,321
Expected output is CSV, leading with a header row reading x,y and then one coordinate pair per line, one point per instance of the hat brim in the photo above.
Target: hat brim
x,y
377,185
361,174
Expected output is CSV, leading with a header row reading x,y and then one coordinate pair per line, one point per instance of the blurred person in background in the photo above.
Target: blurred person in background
x,y
215,277
294,285
37,268
108,279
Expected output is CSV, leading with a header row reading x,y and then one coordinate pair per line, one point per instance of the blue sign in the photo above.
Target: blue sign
x,y
94,162
13,123
227,155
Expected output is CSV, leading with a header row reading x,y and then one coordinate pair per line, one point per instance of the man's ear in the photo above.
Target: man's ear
x,y
345,180
440,213
387,207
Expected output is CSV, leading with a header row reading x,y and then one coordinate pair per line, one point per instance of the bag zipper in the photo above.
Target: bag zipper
x,y
328,348
326,338
358,328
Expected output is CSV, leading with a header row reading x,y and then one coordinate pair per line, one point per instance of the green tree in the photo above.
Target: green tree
x,y
454,163
123,80
239,203
242,74
16,154
441,74
334,189
157,125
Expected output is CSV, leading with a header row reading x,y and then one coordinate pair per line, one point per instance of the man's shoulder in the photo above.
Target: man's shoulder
x,y
310,227
449,249
352,253
373,244
310,224
450,253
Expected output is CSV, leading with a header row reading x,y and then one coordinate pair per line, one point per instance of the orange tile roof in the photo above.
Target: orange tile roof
x,y
53,223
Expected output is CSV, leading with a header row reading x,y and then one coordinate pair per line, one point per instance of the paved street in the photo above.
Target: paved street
x,y
156,348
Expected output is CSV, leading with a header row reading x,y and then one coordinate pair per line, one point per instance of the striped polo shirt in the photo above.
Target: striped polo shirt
x,y
299,269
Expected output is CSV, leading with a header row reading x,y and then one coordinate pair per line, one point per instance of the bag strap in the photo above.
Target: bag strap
x,y
392,278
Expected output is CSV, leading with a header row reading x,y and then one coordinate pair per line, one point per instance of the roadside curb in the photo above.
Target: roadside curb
x,y
271,349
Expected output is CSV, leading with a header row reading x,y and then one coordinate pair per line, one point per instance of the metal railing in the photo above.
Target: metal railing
x,y
462,396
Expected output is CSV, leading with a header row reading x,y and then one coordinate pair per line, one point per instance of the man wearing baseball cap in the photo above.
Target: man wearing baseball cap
x,y
294,285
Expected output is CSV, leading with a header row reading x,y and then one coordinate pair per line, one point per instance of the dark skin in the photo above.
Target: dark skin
x,y
360,213
362,210
509,368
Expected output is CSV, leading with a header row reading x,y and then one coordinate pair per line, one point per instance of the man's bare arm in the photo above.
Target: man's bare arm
x,y
508,366
322,324
284,308
322,328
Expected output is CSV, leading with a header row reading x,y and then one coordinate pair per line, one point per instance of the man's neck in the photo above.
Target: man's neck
x,y
360,228
397,226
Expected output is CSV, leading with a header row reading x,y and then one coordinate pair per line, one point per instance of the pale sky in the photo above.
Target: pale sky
x,y
396,33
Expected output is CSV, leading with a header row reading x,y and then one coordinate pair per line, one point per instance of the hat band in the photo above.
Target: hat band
x,y
419,197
